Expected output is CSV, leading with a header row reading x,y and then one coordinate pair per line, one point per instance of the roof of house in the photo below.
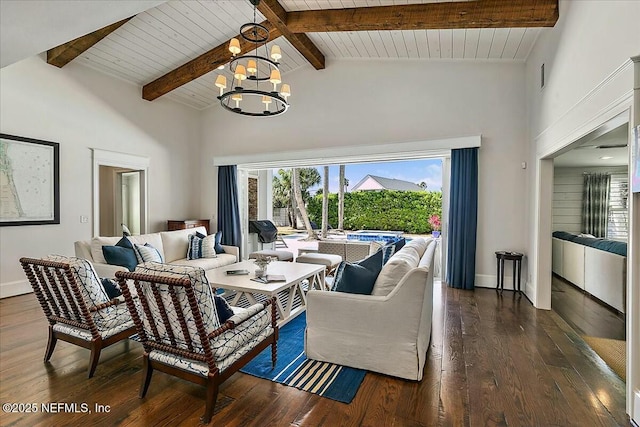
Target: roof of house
x,y
390,184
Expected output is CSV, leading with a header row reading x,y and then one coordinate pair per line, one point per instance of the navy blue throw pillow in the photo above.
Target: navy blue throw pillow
x,y
111,288
121,254
218,246
359,277
223,309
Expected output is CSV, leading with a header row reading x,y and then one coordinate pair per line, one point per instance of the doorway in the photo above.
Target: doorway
x,y
120,193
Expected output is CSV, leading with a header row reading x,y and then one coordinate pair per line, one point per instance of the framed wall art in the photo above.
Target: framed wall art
x,y
29,181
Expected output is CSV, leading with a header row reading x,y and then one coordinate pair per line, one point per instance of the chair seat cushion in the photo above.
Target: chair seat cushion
x,y
201,368
328,260
233,339
207,263
115,322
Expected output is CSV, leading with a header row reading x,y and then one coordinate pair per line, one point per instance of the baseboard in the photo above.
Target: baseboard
x,y
490,280
636,407
11,289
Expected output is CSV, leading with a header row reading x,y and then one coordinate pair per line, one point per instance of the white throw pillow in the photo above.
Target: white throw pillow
x,y
391,274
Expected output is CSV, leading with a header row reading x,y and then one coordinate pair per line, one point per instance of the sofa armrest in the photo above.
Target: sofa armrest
x,y
233,250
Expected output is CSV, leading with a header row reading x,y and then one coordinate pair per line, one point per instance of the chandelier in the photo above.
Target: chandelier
x,y
255,78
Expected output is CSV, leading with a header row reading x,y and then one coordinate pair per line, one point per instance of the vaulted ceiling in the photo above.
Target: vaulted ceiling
x,y
174,49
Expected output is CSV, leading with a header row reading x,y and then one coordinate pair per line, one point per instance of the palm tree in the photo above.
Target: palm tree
x,y
283,194
341,182
301,205
325,201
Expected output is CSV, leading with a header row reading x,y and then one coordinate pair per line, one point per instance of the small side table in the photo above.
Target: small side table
x,y
516,257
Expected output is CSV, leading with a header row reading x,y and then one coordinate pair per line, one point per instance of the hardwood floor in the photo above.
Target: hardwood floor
x,y
493,361
584,314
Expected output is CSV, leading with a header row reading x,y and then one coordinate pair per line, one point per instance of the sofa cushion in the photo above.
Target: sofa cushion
x,y
201,246
147,253
121,254
98,242
358,277
218,243
400,264
176,243
420,245
207,263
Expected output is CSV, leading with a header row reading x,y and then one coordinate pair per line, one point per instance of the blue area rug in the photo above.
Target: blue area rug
x,y
294,369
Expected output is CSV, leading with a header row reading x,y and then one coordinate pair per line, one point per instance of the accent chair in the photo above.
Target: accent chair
x,y
177,317
76,305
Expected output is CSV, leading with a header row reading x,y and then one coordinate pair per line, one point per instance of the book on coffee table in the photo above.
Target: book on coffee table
x,y
270,278
237,272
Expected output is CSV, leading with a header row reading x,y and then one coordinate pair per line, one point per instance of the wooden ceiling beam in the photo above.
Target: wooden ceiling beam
x,y
275,13
436,16
65,53
201,65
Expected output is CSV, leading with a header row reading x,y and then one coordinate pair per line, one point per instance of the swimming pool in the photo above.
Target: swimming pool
x,y
374,235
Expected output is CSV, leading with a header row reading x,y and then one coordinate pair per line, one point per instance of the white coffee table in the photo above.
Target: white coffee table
x,y
291,298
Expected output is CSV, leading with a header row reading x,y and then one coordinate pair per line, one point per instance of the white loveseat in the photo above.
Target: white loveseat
x,y
172,245
388,331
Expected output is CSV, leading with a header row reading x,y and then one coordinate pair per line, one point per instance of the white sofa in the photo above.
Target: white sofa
x,y
172,245
388,331
600,273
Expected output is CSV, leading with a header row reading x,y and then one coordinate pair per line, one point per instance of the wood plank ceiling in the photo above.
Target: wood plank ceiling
x,y
162,39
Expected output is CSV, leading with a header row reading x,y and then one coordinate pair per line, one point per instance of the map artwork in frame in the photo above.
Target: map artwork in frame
x,y
29,181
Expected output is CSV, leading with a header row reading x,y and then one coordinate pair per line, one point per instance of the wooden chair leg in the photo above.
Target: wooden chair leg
x,y
212,396
274,353
147,370
96,348
51,344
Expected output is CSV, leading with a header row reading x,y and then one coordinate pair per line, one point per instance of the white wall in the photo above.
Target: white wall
x,y
568,190
589,81
370,102
82,109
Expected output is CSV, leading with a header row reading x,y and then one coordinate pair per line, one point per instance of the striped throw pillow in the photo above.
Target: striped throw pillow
x,y
147,253
201,246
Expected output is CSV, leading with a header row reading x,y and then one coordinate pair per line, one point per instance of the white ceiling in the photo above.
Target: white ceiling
x,y
166,36
28,27
588,153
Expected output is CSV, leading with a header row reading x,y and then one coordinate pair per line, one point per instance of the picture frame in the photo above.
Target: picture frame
x,y
29,181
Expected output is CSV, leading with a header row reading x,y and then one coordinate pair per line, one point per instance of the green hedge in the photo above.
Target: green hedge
x,y
407,211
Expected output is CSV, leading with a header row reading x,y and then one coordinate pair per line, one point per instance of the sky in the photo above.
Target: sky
x,y
416,171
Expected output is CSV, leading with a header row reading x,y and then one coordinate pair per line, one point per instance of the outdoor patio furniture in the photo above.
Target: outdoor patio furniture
x,y
349,250
280,255
330,261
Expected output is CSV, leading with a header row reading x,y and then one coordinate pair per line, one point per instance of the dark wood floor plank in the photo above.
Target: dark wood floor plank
x,y
492,360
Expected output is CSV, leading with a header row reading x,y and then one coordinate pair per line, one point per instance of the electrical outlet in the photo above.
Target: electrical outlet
x,y
84,219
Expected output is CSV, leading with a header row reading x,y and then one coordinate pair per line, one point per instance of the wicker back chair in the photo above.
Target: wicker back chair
x,y
176,319
76,305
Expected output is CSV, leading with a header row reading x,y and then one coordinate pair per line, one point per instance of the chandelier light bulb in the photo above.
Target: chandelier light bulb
x,y
266,101
275,78
275,52
240,73
237,97
221,82
252,67
234,46
285,91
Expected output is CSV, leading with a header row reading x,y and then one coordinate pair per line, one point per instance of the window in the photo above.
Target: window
x,y
617,227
